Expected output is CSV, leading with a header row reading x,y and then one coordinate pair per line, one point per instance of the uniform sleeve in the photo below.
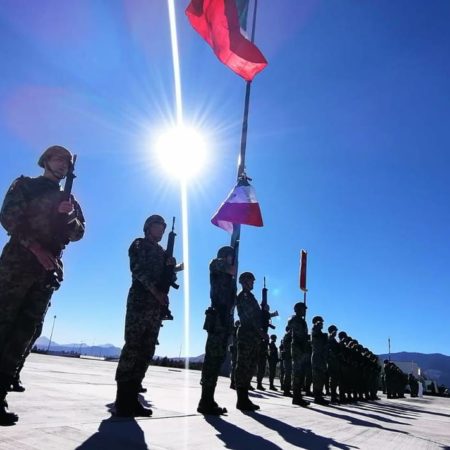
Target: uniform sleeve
x,y
144,264
13,212
246,312
76,227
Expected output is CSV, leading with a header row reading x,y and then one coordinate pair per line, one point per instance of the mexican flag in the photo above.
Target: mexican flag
x,y
219,22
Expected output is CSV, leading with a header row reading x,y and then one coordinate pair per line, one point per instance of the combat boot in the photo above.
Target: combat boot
x,y
139,409
16,386
142,389
207,404
124,399
243,402
335,399
298,400
260,387
319,400
127,402
287,393
7,417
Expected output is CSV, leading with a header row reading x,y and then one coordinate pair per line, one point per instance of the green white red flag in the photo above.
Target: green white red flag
x,y
219,22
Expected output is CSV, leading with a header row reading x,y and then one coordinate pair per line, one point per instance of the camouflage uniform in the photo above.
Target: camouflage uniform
x,y
334,369
319,343
273,361
248,338
218,324
144,311
287,362
29,214
299,333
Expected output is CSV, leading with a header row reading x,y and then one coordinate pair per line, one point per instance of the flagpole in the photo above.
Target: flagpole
x,y
236,236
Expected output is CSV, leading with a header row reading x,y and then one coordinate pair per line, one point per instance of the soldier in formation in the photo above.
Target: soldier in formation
x,y
396,380
299,335
319,343
286,357
218,324
273,361
40,220
147,305
249,336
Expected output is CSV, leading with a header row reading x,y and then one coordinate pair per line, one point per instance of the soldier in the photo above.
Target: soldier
x,y
218,324
287,363
41,221
146,305
299,332
273,361
319,343
334,370
249,336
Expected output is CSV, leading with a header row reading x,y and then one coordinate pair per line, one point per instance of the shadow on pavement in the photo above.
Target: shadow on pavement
x,y
299,437
356,421
237,438
116,434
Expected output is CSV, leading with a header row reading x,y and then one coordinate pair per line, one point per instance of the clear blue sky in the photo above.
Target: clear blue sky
x,y
348,148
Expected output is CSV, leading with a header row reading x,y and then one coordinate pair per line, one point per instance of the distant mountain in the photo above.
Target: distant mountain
x,y
105,350
435,365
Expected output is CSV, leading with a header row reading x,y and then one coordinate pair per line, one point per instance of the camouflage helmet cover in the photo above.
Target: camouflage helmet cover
x,y
246,276
53,151
155,218
225,251
317,319
300,305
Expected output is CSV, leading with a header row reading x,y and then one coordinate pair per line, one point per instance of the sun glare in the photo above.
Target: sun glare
x,y
181,151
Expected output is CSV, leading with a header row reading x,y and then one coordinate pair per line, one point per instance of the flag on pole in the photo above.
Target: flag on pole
x,y
303,260
240,207
219,22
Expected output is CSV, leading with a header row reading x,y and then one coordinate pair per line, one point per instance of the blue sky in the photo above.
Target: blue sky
x,y
348,149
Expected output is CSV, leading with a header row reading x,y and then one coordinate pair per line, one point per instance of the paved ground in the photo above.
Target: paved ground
x,y
66,406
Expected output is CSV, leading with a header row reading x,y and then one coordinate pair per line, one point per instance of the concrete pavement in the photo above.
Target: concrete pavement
x,y
67,406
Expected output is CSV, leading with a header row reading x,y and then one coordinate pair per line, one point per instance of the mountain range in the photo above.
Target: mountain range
x,y
435,365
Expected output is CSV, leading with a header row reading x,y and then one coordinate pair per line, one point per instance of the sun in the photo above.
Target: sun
x,y
181,151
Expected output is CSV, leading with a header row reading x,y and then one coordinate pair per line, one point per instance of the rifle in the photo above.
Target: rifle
x,y
55,277
169,277
266,314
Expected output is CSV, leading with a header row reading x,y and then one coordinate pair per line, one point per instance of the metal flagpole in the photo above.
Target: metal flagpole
x,y
241,175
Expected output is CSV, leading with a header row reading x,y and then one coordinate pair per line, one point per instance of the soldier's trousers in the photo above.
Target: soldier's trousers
x,y
287,381
299,364
272,370
319,376
215,353
262,360
24,296
248,346
142,324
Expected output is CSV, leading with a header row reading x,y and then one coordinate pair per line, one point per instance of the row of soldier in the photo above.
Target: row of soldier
x,y
344,369
350,370
42,219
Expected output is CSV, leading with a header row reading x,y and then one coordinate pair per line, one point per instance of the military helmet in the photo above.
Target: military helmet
x,y
342,334
246,276
273,337
317,319
155,218
332,328
54,150
300,305
225,251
